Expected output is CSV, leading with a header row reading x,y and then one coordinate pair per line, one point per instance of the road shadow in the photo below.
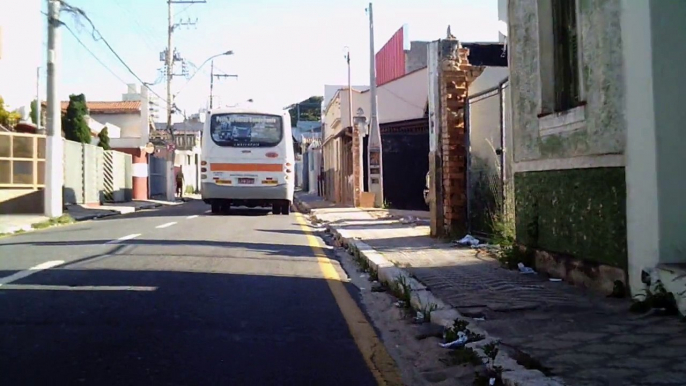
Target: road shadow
x,y
114,327
270,249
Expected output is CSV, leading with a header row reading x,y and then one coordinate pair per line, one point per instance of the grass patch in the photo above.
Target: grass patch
x,y
62,220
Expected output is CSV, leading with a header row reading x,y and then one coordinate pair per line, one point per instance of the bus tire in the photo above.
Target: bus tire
x,y
276,209
216,208
286,209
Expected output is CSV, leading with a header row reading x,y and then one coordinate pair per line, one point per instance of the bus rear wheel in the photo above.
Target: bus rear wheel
x,y
276,208
286,208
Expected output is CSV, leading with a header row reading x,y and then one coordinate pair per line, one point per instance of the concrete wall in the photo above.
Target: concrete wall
x,y
130,124
21,201
416,57
331,114
360,100
598,128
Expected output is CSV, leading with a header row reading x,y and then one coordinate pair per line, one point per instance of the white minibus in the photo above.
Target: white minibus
x,y
248,159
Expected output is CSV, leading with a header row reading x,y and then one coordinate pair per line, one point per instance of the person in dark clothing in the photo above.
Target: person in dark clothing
x,y
179,183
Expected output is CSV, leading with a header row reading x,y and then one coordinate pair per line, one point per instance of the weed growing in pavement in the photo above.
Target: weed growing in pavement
x,y
484,378
426,310
491,373
462,356
452,333
658,299
402,290
62,220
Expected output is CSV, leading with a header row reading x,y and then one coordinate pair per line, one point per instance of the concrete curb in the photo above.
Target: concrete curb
x,y
85,217
301,206
513,374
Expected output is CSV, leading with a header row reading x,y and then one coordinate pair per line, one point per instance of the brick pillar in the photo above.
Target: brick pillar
x,y
357,167
139,166
455,76
139,162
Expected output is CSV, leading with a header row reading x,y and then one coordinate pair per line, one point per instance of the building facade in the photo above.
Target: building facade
x,y
593,136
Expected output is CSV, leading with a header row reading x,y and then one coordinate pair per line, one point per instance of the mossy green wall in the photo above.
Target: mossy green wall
x,y
577,212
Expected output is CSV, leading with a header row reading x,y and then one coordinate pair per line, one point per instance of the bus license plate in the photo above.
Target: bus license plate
x,y
246,181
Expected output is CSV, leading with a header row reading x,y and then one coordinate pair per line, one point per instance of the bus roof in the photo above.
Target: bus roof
x,y
249,108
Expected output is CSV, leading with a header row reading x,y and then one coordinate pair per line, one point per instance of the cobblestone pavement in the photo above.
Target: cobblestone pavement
x,y
582,338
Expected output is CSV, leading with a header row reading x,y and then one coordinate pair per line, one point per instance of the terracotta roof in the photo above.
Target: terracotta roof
x,y
130,107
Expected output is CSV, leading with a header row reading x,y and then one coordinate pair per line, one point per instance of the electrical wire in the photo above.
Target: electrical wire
x,y
79,12
92,54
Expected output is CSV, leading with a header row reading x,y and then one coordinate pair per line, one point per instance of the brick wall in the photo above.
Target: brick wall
x,y
357,166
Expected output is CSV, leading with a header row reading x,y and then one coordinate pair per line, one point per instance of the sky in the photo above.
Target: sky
x,y
284,51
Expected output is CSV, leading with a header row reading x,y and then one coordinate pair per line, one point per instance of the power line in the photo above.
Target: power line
x,y
92,54
82,13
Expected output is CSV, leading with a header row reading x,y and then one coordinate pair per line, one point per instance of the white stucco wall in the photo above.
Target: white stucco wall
x,y
404,98
128,123
656,211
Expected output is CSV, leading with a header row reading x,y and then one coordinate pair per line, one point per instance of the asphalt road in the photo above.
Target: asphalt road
x,y
183,298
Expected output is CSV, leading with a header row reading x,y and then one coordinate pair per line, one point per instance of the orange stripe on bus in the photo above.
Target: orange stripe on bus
x,y
246,167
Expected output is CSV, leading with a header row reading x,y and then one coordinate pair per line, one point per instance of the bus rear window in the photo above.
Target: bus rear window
x,y
246,130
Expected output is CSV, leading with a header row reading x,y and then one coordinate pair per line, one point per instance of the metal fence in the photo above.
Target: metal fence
x,y
158,176
487,184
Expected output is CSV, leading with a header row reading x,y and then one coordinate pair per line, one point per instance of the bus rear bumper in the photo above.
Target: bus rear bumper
x,y
242,195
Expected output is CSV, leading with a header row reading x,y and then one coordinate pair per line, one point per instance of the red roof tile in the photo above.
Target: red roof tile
x,y
130,107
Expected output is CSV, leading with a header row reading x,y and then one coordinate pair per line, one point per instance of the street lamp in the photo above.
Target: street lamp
x,y
227,53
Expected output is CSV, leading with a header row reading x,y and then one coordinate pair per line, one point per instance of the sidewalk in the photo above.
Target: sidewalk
x,y
12,223
580,338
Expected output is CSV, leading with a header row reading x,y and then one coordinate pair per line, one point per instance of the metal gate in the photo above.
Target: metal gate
x,y
485,119
305,181
158,176
406,162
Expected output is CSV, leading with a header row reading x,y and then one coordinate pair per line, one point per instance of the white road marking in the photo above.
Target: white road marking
x,y
39,287
30,271
167,225
193,216
208,211
128,237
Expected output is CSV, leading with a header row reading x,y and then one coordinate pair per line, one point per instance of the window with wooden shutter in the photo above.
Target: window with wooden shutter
x,y
566,55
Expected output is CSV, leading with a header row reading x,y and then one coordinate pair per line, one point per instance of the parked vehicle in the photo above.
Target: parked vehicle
x,y
248,159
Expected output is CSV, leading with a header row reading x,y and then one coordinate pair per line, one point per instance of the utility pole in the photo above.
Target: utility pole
x,y
375,153
54,171
169,64
350,91
212,76
38,106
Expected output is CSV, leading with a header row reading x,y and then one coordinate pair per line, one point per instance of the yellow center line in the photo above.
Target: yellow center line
x,y
373,351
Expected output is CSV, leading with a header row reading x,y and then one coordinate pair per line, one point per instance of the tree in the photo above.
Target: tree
x,y
104,139
310,110
74,123
34,113
8,118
